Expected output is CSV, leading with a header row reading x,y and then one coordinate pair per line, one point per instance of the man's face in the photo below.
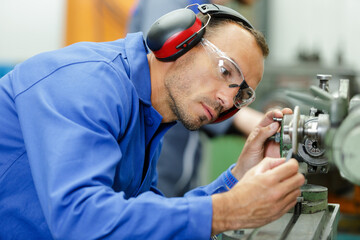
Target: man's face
x,y
197,95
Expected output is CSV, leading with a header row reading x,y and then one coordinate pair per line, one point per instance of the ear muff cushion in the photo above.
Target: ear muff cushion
x,y
225,115
174,34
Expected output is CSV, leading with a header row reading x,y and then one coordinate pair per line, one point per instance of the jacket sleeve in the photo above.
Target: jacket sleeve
x,y
219,185
70,122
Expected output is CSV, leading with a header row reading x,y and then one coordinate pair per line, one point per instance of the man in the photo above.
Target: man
x,y
80,134
180,159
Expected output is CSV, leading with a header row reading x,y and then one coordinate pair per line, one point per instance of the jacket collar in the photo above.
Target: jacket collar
x,y
136,52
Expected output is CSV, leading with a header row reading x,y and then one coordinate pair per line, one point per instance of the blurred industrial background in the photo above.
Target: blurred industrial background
x,y
305,38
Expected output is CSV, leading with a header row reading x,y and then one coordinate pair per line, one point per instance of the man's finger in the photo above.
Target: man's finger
x,y
286,111
260,135
276,113
293,182
268,119
289,201
272,149
285,170
269,163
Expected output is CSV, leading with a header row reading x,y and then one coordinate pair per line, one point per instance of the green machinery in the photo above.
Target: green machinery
x,y
328,135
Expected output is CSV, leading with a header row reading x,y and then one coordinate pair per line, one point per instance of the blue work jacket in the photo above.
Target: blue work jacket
x,y
79,142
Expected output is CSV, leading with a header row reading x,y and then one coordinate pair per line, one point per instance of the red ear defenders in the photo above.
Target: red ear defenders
x,y
175,33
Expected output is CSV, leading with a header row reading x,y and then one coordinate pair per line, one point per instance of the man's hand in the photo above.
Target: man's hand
x,y
257,147
264,193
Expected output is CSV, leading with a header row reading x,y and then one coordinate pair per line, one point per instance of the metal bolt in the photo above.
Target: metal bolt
x,y
324,81
311,169
239,232
277,119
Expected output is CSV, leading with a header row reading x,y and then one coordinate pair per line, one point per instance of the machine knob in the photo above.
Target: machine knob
x,y
324,81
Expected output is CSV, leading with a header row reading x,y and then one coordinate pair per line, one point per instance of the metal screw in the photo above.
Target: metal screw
x,y
239,232
277,119
324,81
311,169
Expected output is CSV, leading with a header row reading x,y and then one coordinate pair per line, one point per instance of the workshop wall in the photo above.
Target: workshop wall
x,y
96,20
329,28
29,27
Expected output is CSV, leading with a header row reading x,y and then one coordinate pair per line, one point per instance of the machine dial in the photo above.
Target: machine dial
x,y
312,148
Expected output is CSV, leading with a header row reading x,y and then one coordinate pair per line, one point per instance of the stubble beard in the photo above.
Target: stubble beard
x,y
175,94
183,116
179,89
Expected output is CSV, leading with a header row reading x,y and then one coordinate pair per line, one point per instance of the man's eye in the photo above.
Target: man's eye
x,y
225,72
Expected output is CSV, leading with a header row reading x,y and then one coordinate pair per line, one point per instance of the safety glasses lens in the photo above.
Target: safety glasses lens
x,y
228,71
245,96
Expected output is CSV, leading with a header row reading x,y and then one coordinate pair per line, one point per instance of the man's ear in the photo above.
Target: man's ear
x,y
174,34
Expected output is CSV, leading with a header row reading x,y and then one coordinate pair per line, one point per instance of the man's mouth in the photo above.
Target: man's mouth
x,y
210,113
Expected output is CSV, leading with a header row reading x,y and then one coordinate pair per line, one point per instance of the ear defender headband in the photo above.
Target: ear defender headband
x,y
175,33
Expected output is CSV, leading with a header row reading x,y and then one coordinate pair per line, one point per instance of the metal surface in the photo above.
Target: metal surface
x,y
293,220
314,198
346,149
316,226
299,78
312,218
294,129
304,134
330,132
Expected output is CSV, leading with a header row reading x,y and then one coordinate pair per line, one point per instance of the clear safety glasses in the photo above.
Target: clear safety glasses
x,y
230,72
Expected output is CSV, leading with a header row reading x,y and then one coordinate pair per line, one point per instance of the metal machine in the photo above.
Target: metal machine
x,y
328,136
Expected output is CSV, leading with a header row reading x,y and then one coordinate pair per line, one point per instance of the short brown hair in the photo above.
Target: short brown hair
x,y
216,22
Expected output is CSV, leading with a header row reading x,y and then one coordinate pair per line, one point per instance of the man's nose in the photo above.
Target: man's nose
x,y
225,96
